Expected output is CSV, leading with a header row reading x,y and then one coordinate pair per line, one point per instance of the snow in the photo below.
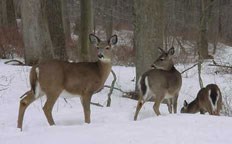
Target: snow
x,y
111,125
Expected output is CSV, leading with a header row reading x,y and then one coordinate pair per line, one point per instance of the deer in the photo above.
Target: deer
x,y
209,99
77,79
161,83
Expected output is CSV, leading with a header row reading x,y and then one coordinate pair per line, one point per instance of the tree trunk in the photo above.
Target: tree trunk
x,y
203,40
8,28
53,10
66,21
86,28
11,13
148,34
37,42
108,18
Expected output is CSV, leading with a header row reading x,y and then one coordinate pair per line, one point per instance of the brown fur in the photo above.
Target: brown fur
x,y
162,79
81,79
202,103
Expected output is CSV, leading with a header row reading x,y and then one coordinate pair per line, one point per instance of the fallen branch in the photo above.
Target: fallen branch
x,y
111,89
18,62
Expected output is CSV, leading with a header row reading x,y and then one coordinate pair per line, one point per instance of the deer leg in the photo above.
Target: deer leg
x,y
138,108
174,101
85,100
169,104
24,103
48,106
202,111
156,106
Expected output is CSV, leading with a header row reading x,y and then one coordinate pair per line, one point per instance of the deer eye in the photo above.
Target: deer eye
x,y
161,59
107,48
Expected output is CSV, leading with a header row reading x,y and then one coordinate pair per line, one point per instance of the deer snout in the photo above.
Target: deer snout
x,y
152,66
100,55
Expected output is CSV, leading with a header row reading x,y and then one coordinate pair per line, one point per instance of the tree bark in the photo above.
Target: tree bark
x,y
204,20
148,28
37,42
66,21
85,29
53,10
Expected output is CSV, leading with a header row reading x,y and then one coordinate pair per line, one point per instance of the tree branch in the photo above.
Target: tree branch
x,y
218,65
189,68
111,89
19,62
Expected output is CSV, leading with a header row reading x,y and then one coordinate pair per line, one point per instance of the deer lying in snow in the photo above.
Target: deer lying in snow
x,y
209,99
163,82
54,78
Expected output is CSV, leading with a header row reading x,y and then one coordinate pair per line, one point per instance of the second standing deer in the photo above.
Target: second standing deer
x,y
208,99
54,78
163,82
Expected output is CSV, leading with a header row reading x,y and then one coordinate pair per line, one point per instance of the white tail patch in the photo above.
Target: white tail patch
x,y
214,107
38,90
147,95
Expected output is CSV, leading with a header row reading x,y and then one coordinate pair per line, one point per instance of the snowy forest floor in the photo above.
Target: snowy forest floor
x,y
114,125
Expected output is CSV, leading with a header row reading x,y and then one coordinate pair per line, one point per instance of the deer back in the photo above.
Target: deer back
x,y
163,79
208,99
78,78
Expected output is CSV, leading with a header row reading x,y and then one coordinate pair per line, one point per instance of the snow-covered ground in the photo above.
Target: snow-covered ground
x,y
112,125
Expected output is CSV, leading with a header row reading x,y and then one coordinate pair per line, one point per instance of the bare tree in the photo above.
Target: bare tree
x,y
85,28
148,32
53,9
37,42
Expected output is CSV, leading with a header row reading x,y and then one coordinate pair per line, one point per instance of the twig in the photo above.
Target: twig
x,y
107,86
111,89
4,89
189,68
96,104
19,62
218,65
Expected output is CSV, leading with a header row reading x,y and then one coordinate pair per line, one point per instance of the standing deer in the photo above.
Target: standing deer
x,y
208,99
54,78
163,82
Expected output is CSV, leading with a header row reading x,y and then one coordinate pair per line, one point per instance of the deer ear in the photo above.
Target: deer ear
x,y
185,104
113,40
171,51
93,39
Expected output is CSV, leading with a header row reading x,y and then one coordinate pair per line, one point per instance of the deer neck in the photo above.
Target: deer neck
x,y
104,68
193,107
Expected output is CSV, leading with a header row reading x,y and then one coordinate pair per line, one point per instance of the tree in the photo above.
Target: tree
x,y
66,21
206,6
148,33
7,13
86,28
53,9
8,27
37,42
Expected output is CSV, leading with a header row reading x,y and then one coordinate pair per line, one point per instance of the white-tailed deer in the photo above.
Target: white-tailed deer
x,y
54,78
208,99
163,82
